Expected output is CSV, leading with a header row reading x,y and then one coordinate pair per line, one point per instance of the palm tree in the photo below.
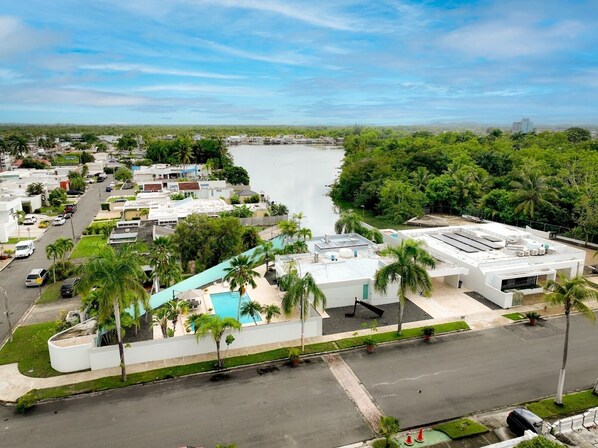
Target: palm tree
x,y
166,268
175,309
53,252
288,230
118,277
348,222
64,245
388,427
251,308
160,317
239,275
185,151
421,176
298,292
17,145
570,294
203,324
298,217
4,148
531,192
304,233
270,311
265,253
408,266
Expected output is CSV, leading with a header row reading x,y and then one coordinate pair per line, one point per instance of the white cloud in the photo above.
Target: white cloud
x,y
146,69
287,59
18,39
210,89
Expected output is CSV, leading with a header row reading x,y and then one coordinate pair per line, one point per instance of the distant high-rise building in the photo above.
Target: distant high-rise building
x,y
524,126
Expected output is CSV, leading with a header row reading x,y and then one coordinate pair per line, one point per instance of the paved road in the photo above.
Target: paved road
x,y
13,276
457,374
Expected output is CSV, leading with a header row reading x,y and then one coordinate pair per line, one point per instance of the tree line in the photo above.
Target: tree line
x,y
547,177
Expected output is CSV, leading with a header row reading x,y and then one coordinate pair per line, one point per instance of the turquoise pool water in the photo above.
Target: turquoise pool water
x,y
225,305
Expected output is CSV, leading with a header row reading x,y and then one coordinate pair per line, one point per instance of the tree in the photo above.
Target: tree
x,y
288,230
576,135
239,275
531,192
175,309
571,295
162,259
53,251
251,308
64,245
265,253
298,217
123,174
76,181
298,292
236,175
160,317
408,266
304,233
118,277
57,197
126,143
35,188
348,222
278,209
202,324
270,311
389,426
17,145
184,152
86,157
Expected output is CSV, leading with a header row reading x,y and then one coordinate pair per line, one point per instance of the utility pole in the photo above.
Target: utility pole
x,y
7,313
73,228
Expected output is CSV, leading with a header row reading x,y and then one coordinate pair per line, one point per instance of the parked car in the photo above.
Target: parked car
x,y
29,220
67,215
68,287
59,220
24,249
108,188
101,177
89,180
521,420
74,192
37,277
70,208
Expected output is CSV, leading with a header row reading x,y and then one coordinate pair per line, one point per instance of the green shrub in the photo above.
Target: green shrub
x,y
461,428
62,270
539,442
26,402
105,206
381,443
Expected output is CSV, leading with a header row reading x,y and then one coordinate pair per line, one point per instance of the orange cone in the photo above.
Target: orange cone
x,y
409,439
420,436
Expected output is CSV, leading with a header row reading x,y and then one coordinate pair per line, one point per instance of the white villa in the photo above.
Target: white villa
x,y
502,263
164,171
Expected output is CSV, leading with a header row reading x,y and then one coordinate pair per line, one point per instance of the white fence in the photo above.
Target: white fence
x,y
585,420
83,356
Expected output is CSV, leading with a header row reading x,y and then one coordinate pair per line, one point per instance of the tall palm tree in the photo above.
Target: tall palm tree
x,y
4,148
570,294
64,246
348,222
160,317
18,145
408,266
185,151
288,230
175,309
118,277
531,192
298,291
239,275
270,311
265,253
304,233
251,308
298,217
162,258
421,176
203,324
53,252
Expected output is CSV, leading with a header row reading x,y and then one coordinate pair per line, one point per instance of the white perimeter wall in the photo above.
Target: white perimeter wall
x,y
81,357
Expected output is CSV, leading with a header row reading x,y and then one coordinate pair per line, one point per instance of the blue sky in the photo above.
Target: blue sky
x,y
379,62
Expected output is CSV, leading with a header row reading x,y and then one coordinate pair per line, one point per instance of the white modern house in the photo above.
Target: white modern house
x,y
164,171
9,206
343,267
502,263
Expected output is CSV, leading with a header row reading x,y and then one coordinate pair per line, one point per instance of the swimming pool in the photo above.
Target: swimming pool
x,y
225,305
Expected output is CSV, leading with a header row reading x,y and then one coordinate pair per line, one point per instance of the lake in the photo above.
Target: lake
x,y
295,175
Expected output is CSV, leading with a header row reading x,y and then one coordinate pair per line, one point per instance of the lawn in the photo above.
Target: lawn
x,y
88,246
16,240
514,316
29,348
52,211
572,404
461,428
51,293
115,198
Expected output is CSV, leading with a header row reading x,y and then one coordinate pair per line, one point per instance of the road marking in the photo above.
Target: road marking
x,y
419,377
355,390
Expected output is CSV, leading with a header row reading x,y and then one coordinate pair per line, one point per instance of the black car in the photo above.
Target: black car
x,y
68,287
74,192
521,420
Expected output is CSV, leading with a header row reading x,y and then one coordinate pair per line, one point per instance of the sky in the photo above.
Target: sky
x,y
296,62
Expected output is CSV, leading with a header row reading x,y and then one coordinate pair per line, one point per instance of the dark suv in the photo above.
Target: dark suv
x,y
68,287
521,420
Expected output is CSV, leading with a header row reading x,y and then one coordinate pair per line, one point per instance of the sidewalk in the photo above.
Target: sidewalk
x,y
14,384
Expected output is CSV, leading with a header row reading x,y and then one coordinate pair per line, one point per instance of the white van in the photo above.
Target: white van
x,y
24,248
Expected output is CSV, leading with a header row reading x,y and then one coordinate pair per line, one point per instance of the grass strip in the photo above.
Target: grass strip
x,y
514,316
572,404
29,349
50,294
88,246
461,428
405,334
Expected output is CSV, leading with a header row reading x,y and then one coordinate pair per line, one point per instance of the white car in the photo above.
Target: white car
x,y
59,221
29,220
24,249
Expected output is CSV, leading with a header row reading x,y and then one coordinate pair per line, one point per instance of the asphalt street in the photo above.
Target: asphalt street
x,y
456,374
20,298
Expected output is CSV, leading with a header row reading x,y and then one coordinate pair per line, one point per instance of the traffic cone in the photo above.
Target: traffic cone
x,y
409,439
420,436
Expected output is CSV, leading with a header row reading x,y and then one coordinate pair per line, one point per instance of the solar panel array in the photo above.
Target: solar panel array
x,y
467,243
